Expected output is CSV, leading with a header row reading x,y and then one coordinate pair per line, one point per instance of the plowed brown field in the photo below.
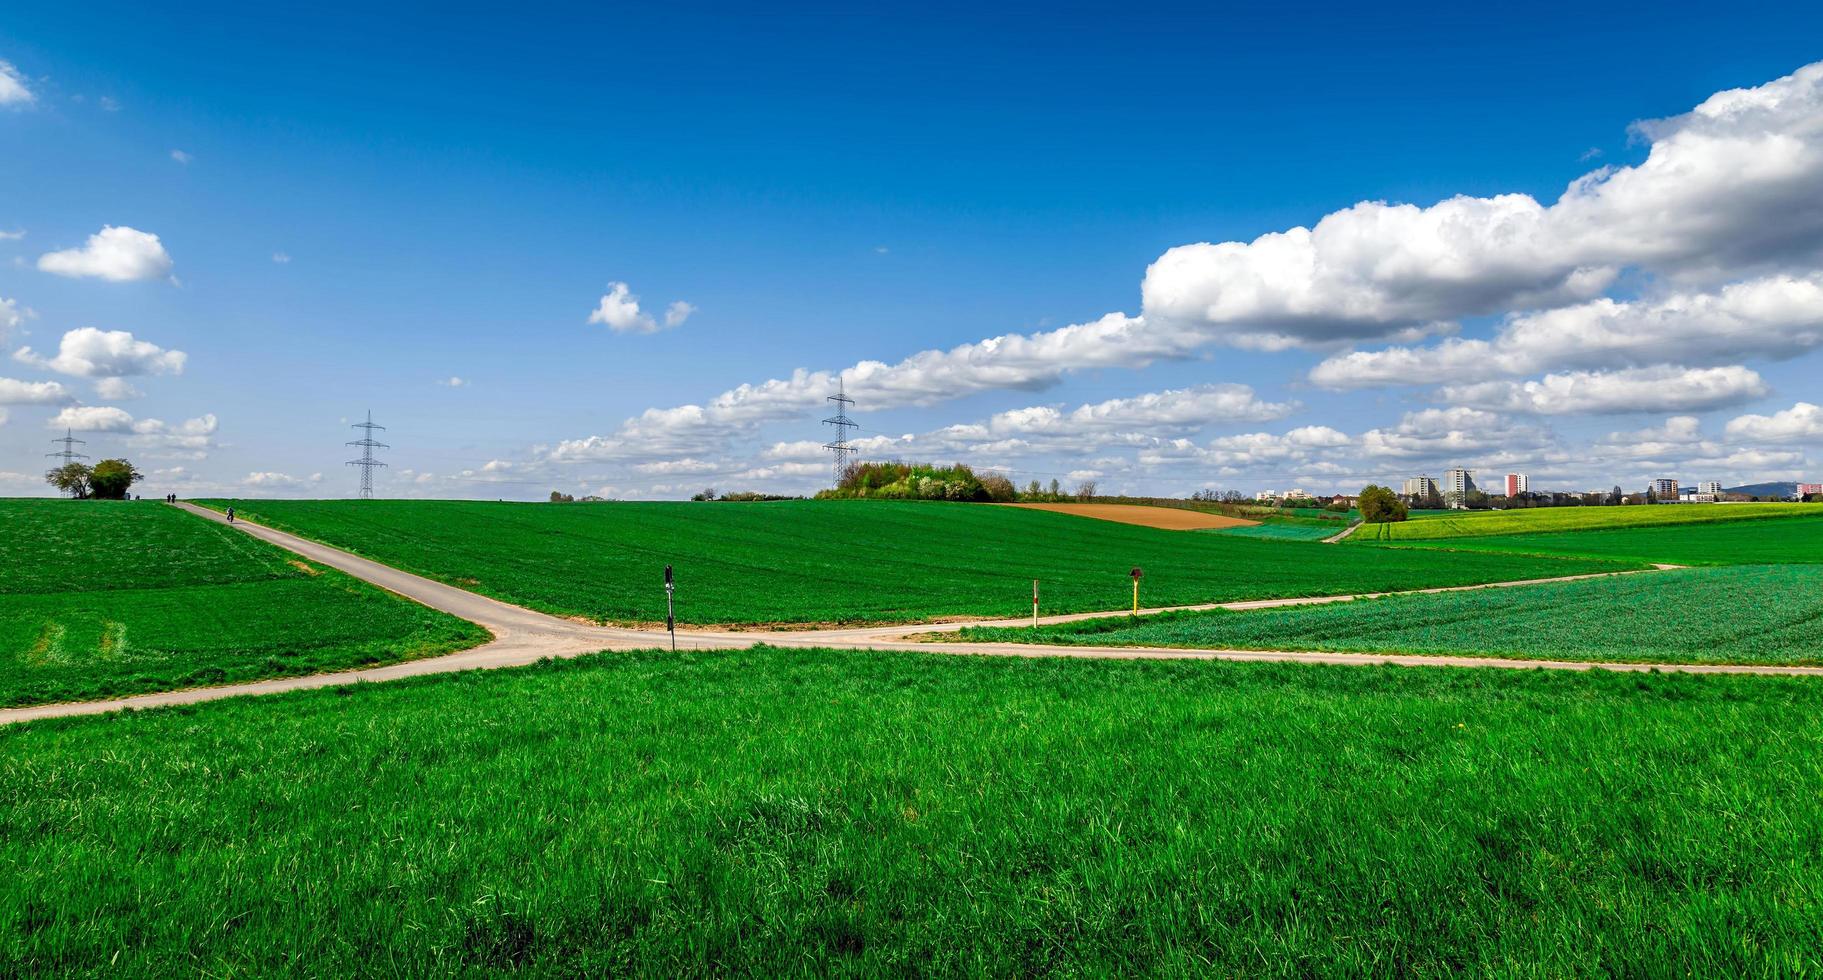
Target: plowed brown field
x,y
1168,518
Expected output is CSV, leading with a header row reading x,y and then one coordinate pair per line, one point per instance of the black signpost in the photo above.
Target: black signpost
x,y
670,617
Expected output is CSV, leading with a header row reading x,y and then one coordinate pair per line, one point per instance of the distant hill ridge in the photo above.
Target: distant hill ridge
x,y
1766,489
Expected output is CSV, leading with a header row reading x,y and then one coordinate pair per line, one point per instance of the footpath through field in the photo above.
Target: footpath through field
x,y
1343,535
522,636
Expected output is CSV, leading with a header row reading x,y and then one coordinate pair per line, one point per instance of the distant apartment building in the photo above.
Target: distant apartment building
x,y
1711,487
1664,491
1422,488
1457,485
1806,489
1518,484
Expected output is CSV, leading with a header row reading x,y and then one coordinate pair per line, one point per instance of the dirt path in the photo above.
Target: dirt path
x,y
1339,538
522,636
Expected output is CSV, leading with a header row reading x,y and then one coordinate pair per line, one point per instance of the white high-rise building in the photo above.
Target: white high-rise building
x,y
1458,483
1518,484
1664,491
1422,488
1709,486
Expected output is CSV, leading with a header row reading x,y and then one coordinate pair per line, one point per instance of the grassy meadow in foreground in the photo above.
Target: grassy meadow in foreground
x,y
1465,524
847,560
101,598
774,813
1748,542
1746,614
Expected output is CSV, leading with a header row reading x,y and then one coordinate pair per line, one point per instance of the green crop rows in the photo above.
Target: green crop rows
x,y
847,561
1714,543
102,598
1745,614
1287,531
1461,524
784,813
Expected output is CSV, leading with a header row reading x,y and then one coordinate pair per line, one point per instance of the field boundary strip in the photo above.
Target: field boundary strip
x,y
1142,515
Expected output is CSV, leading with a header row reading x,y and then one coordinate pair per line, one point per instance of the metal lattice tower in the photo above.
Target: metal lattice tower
x,y
844,452
68,453
367,463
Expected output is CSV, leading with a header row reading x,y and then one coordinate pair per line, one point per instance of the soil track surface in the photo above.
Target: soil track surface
x,y
1165,518
522,636
1343,536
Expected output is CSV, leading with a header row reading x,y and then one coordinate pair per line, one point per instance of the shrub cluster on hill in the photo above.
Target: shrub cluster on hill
x,y
109,479
740,496
895,480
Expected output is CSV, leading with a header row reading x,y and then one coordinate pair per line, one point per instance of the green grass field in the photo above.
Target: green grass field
x,y
1286,531
1463,524
1750,542
102,598
781,813
1747,614
844,560
1338,518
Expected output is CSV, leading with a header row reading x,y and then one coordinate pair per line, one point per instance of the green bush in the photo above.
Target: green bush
x,y
914,481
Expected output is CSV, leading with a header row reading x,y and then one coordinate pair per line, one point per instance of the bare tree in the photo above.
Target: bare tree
x,y
1085,491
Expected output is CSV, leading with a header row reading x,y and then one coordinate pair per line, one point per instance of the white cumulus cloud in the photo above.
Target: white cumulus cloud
x,y
1733,186
1654,389
116,253
15,392
1802,422
619,311
191,438
91,353
272,480
1440,434
1775,317
12,316
14,94
116,389
93,418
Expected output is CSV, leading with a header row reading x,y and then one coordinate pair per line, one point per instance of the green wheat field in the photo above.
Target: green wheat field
x,y
773,812
843,561
101,598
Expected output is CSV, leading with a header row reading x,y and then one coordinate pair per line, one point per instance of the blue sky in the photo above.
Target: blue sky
x,y
351,207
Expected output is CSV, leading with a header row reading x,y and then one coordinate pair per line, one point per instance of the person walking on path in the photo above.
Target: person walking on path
x,y
231,515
